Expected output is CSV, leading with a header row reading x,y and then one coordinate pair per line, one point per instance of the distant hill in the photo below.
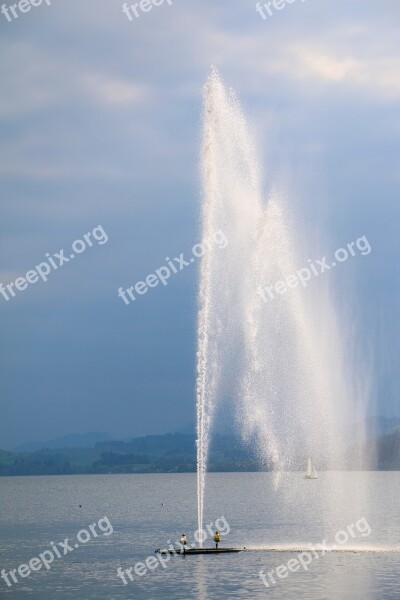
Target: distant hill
x,y
170,453
378,426
384,452
73,440
175,453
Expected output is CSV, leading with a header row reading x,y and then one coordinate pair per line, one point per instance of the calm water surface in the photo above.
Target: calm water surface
x,y
275,519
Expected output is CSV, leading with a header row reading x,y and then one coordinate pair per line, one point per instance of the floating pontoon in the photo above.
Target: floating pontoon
x,y
200,551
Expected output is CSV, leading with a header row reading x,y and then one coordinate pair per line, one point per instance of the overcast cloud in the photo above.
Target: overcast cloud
x,y
100,121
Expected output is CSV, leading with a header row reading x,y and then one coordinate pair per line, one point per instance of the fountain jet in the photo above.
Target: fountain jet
x,y
282,361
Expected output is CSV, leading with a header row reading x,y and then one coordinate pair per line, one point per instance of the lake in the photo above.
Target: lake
x,y
280,522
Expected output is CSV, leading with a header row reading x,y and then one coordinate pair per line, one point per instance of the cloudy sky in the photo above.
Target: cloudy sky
x,y
100,120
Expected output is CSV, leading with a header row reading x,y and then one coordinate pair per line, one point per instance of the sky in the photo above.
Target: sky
x,y
100,122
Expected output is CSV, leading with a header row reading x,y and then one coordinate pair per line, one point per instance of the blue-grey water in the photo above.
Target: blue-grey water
x,y
275,522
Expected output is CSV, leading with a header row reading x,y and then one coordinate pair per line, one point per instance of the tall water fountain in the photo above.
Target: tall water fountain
x,y
279,358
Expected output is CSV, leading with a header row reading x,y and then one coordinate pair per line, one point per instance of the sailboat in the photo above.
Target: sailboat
x,y
311,473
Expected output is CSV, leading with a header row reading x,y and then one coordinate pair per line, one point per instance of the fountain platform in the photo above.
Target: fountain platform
x,y
200,551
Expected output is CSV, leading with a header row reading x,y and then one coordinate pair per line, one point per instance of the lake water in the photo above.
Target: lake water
x,y
275,520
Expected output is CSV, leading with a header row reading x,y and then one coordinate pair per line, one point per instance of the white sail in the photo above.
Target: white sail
x,y
311,472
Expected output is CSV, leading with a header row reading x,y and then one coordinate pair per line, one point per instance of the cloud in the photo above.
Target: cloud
x,y
106,90
34,82
318,65
101,122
